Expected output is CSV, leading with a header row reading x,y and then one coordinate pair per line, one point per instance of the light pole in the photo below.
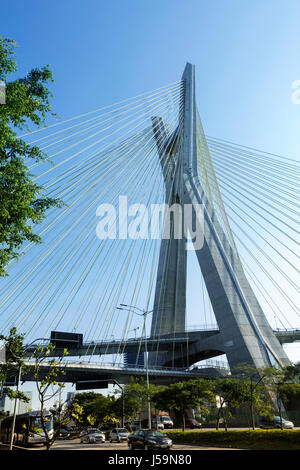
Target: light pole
x,y
143,314
123,401
135,330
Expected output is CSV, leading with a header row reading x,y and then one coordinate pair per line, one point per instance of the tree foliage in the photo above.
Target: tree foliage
x,y
180,396
23,203
48,383
282,383
90,409
14,352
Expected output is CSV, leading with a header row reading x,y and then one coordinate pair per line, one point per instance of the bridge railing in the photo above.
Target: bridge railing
x,y
121,365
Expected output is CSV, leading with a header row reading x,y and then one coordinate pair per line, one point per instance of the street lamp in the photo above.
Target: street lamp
x,y
143,314
123,401
135,330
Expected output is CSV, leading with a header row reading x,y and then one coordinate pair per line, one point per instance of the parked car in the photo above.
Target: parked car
x,y
144,424
166,421
63,434
148,439
192,423
93,437
106,429
160,426
275,423
118,435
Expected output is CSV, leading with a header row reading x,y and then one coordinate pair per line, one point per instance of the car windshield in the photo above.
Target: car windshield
x,y
154,433
121,430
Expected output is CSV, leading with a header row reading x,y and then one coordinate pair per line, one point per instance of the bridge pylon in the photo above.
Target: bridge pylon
x,y
245,335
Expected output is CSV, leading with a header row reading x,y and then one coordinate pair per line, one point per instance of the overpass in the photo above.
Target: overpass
x,y
178,342
88,375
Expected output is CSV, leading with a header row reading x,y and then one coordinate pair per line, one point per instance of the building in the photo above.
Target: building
x,y
7,405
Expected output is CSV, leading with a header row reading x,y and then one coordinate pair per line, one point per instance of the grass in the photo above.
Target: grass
x,y
274,439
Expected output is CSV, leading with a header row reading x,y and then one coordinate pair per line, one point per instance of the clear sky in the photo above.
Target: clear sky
x,y
246,55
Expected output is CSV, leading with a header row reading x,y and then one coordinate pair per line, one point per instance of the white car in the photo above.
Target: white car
x,y
166,421
160,426
118,435
93,437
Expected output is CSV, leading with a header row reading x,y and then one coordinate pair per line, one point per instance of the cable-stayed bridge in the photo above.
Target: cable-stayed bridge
x,y
114,168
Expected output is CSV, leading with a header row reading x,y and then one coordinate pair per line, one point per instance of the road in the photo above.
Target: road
x,y
75,444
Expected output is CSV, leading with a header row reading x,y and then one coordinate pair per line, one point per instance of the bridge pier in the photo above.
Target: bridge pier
x,y
245,334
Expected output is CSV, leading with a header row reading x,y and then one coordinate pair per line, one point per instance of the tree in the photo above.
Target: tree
x,y
22,202
60,416
90,408
14,351
244,388
255,394
102,408
125,404
137,392
282,382
48,384
180,396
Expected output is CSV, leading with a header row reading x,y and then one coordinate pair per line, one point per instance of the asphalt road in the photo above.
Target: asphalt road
x,y
75,444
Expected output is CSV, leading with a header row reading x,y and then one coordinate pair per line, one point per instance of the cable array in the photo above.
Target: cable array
x,y
74,280
260,191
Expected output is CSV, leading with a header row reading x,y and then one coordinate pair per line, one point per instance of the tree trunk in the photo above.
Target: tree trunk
x,y
47,438
251,406
218,418
252,417
183,420
225,420
280,411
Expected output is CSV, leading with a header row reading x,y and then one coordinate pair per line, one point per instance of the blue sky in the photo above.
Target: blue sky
x,y
246,55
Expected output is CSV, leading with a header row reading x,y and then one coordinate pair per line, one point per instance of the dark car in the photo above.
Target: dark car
x,y
148,439
192,423
63,434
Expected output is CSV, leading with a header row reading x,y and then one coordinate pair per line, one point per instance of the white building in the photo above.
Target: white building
x,y
7,405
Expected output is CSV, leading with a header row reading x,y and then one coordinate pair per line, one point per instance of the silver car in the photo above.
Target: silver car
x,y
118,435
93,437
270,424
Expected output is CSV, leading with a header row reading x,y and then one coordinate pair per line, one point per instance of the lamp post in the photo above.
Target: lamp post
x,y
135,330
123,401
143,313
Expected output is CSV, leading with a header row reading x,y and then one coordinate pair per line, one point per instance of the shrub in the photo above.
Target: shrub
x,y
243,439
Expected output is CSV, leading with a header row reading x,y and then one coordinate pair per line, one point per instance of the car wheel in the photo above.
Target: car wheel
x,y
110,440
